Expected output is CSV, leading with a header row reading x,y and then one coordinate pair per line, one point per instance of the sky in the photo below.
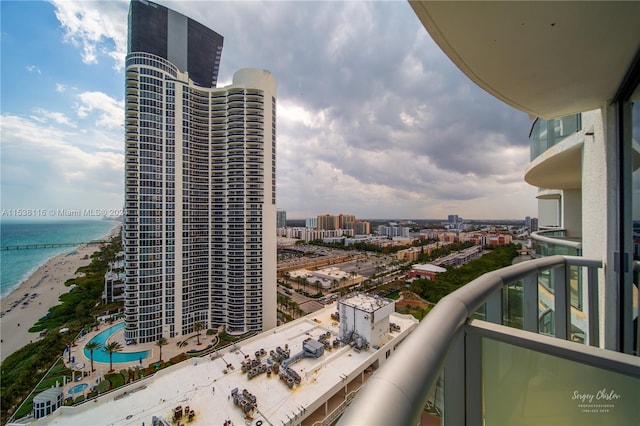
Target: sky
x,y
373,119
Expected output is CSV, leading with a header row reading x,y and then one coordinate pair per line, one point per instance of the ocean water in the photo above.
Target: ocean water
x,y
17,265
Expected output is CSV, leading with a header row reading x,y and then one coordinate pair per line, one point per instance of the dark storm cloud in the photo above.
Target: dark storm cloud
x,y
373,119
392,111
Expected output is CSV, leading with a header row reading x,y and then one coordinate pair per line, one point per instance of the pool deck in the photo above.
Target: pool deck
x,y
83,363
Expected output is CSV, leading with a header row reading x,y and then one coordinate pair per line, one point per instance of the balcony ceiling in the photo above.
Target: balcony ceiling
x,y
549,59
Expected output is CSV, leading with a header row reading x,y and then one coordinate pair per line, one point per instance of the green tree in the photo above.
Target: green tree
x,y
160,343
198,327
92,346
110,348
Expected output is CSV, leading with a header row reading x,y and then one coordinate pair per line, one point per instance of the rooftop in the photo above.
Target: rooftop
x,y
428,267
206,384
366,302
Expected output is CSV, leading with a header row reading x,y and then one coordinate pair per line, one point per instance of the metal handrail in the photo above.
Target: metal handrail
x,y
399,389
537,236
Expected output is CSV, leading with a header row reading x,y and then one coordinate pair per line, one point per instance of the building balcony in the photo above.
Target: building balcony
x,y
480,357
556,153
555,241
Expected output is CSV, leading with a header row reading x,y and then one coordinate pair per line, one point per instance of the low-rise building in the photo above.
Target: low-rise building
x,y
46,402
427,271
461,257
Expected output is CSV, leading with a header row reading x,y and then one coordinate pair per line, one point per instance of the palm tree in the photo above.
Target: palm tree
x,y
92,346
110,348
198,327
160,343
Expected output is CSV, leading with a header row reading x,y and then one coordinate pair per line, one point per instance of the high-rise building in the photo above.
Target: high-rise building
x,y
200,215
331,222
346,221
328,222
281,218
362,228
311,222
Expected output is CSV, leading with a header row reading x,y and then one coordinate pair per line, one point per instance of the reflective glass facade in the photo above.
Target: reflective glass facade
x,y
189,45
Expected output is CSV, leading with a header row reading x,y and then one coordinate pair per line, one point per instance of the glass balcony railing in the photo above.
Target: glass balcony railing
x,y
546,133
454,369
554,241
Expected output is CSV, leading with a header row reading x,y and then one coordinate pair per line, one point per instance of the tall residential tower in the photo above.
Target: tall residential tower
x,y
200,211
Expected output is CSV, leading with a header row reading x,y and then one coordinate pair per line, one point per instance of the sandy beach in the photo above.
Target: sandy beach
x,y
22,308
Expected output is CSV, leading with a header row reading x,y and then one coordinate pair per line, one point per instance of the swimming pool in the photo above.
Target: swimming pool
x,y
78,388
102,356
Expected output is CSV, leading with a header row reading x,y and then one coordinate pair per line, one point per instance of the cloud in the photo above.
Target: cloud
x,y
110,112
46,162
373,119
58,117
60,87
33,69
97,28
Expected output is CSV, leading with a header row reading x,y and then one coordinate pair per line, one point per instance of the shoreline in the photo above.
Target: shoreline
x,y
30,273
41,291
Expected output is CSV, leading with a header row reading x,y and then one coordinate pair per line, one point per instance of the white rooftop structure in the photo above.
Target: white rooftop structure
x,y
427,267
366,302
326,383
364,319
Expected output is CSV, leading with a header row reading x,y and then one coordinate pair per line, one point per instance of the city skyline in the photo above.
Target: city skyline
x,y
373,118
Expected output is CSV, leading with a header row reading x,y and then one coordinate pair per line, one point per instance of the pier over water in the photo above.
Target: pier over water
x,y
50,245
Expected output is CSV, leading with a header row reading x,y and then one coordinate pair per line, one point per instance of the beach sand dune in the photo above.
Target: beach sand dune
x,y
32,300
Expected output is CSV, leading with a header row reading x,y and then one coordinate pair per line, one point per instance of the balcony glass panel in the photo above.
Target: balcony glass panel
x,y
546,303
546,133
512,300
552,242
526,387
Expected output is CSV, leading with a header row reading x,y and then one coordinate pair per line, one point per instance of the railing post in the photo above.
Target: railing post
x,y
561,301
636,281
473,376
594,309
494,307
530,303
454,383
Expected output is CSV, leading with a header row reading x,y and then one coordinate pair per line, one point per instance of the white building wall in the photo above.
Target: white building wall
x,y
572,208
599,209
380,327
263,80
353,320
